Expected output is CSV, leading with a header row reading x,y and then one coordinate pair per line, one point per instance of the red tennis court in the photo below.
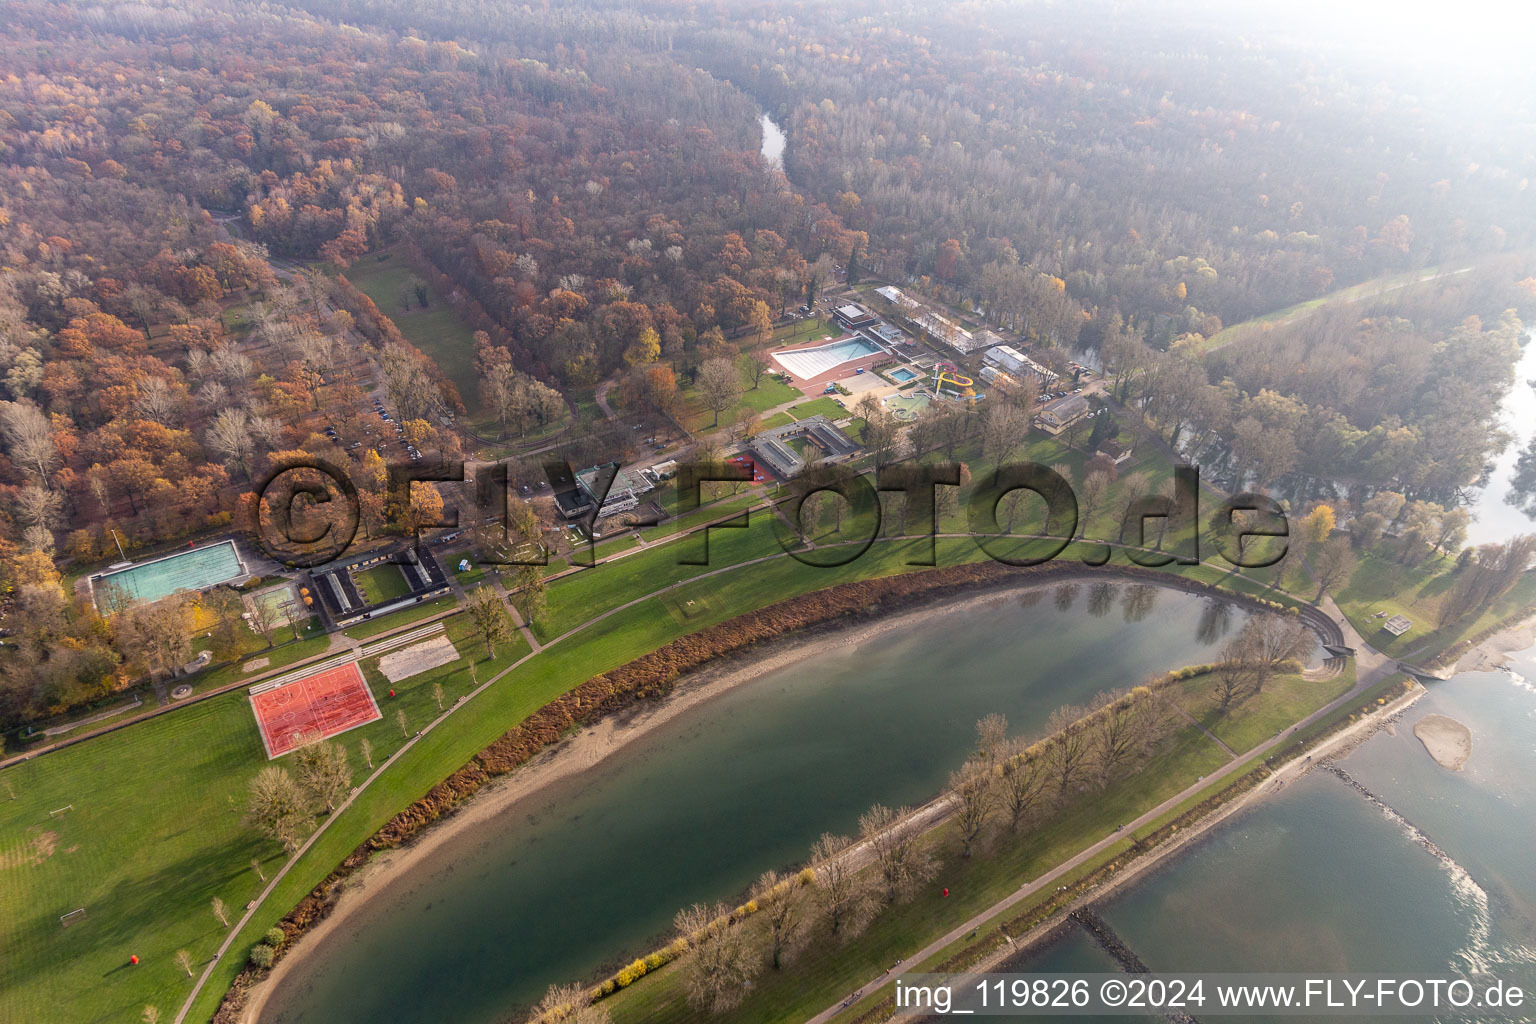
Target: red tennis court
x,y
321,705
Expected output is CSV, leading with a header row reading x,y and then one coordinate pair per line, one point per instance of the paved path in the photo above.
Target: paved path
x,y
1372,668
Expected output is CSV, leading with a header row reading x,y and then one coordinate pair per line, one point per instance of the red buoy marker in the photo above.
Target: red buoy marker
x,y
133,960
946,890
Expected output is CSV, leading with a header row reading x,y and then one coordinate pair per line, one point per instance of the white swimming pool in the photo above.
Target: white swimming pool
x,y
806,363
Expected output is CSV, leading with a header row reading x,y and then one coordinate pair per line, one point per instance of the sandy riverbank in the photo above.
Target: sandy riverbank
x,y
1494,652
1447,740
586,749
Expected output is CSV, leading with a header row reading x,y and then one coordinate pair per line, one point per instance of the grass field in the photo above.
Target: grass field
x,y
154,835
437,330
1382,587
824,406
381,583
1371,289
771,391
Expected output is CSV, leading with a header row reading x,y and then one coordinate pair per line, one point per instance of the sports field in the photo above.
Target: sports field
x,y
290,714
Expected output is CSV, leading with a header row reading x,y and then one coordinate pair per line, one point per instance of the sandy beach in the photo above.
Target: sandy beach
x,y
1494,652
1447,740
584,750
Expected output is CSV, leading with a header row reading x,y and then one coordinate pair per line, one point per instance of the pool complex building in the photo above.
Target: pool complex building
x,y
194,569
806,363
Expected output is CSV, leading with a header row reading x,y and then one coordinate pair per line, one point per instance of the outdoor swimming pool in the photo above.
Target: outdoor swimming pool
x,y
907,407
901,375
196,569
806,363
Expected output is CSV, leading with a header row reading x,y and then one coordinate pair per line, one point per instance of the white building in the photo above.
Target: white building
x,y
1011,360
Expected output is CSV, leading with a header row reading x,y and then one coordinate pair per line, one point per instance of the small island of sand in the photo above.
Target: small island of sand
x,y
1447,740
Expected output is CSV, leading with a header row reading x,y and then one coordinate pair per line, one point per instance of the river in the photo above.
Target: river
x,y
596,866
773,142
1494,518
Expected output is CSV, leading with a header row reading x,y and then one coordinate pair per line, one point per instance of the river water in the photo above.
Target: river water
x,y
1494,518
596,866
773,142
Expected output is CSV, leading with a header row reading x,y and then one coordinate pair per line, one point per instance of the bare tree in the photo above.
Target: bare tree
x,y
263,617
1269,640
568,1004
1091,498
366,749
1025,773
400,721
991,737
256,867
230,440
1003,431
719,385
1234,677
975,799
901,859
151,1015
324,772
278,807
220,911
28,435
841,891
1121,726
184,961
1334,564
1069,749
490,618
720,963
437,695
781,905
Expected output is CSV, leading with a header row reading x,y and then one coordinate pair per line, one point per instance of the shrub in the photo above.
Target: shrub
x,y
262,955
631,974
654,961
275,937
807,876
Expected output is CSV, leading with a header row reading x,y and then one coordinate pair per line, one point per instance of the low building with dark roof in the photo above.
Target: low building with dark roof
x,y
853,315
775,450
342,603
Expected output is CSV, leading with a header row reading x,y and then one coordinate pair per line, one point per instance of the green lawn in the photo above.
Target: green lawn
x,y
1373,288
437,330
813,328
381,583
1251,720
770,391
153,836
778,419
823,406
1382,587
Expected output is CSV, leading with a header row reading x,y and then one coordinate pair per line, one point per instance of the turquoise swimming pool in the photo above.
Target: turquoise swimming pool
x,y
901,375
806,363
196,569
